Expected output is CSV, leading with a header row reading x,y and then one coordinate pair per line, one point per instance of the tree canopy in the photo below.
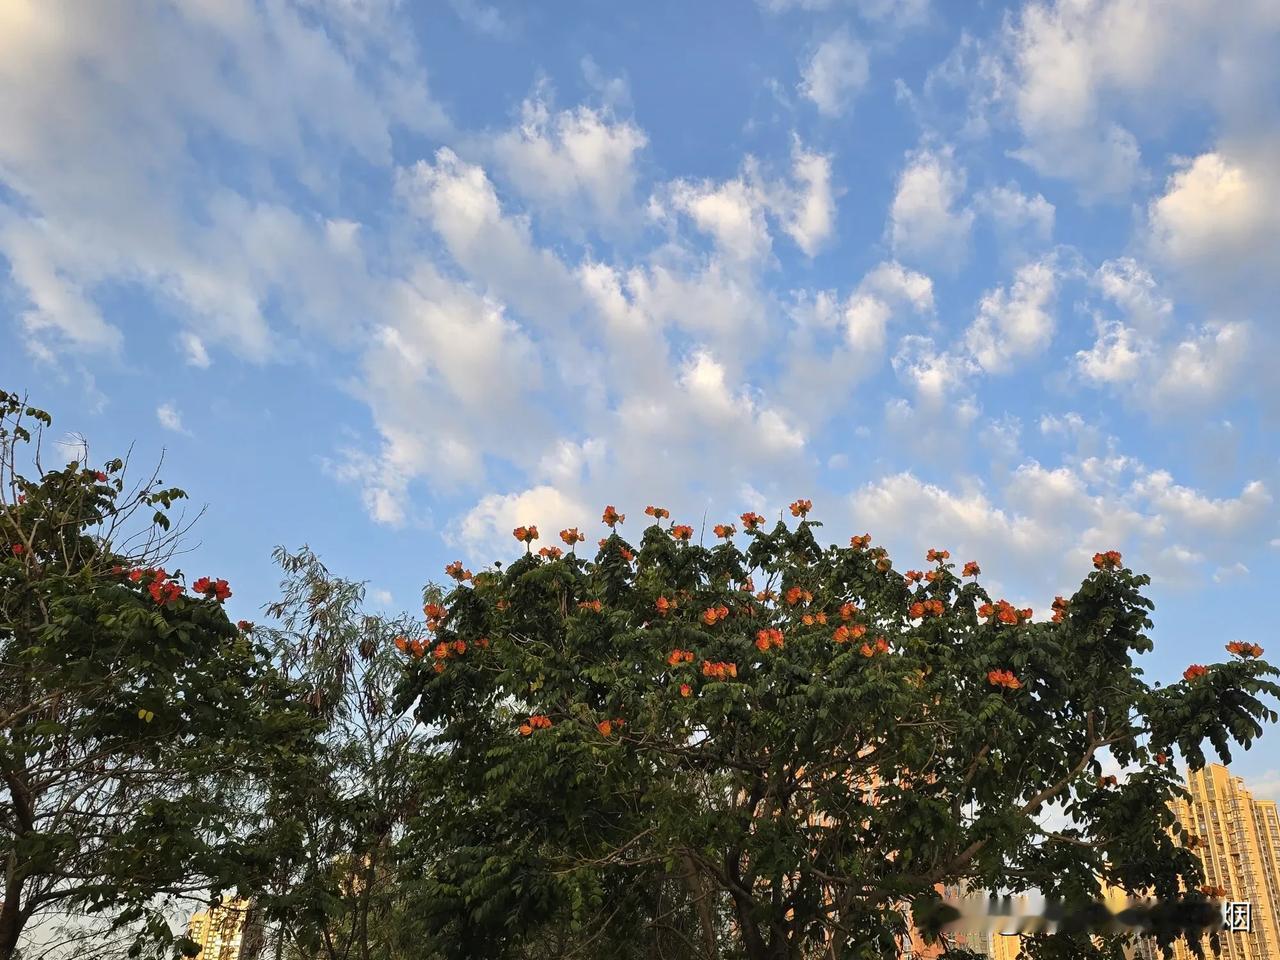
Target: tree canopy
x,y
766,747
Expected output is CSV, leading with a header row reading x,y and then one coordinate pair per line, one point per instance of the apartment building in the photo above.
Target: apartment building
x,y
229,931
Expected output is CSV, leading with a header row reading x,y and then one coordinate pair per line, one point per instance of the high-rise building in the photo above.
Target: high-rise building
x,y
229,931
1238,841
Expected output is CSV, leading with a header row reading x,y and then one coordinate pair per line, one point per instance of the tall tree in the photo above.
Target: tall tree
x,y
135,718
338,895
797,737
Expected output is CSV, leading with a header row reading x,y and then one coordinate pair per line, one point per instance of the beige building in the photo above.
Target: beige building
x,y
229,931
1238,842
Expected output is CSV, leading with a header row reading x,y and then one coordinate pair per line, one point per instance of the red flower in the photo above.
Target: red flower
x,y
572,536
686,690
214,588
986,610
459,647
682,532
438,666
202,585
551,553
19,549
882,645
657,513
916,611
1194,671
1161,758
1059,609
724,530
751,520
664,605
401,643
626,554
1107,561
605,727
247,627
612,517
800,508
99,476
971,569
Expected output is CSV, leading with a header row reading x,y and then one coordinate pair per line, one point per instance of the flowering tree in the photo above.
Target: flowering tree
x,y
134,716
767,747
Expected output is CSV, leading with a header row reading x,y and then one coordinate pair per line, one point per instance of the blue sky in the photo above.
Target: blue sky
x,y
390,279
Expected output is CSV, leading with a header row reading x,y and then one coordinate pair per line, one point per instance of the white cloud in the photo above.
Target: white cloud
x,y
1266,785
735,213
836,72
1019,220
924,219
193,350
382,597
579,163
459,201
170,418
1016,322
1133,289
1203,368
1217,220
1231,572
899,13
808,211
95,210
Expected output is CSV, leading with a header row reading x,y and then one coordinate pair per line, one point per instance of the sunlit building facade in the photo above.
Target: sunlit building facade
x,y
230,931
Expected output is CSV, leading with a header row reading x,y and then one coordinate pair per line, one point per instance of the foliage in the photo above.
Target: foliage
x,y
135,718
782,745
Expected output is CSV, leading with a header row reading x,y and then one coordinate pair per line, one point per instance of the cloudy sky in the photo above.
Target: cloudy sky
x,y
391,278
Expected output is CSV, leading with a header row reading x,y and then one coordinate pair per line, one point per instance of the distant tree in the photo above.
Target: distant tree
x,y
785,745
338,892
135,718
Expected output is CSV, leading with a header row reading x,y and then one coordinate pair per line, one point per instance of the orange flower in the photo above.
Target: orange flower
x,y
848,610
418,648
857,630
724,530
866,650
438,666
459,647
821,616
657,512
664,605
612,517
882,645
859,543
719,671
572,536
456,571
1242,649
710,616
686,690
595,606
551,553
986,610
935,607
1194,671
1003,678
1059,609
484,643
916,611
1107,561
402,644
682,532
521,534
912,576
434,611
602,542
797,595
883,564
800,508
768,638
626,554
931,576
841,635
938,555
751,520
807,619
525,729
1161,758
605,727
539,721
441,651
971,569
678,657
